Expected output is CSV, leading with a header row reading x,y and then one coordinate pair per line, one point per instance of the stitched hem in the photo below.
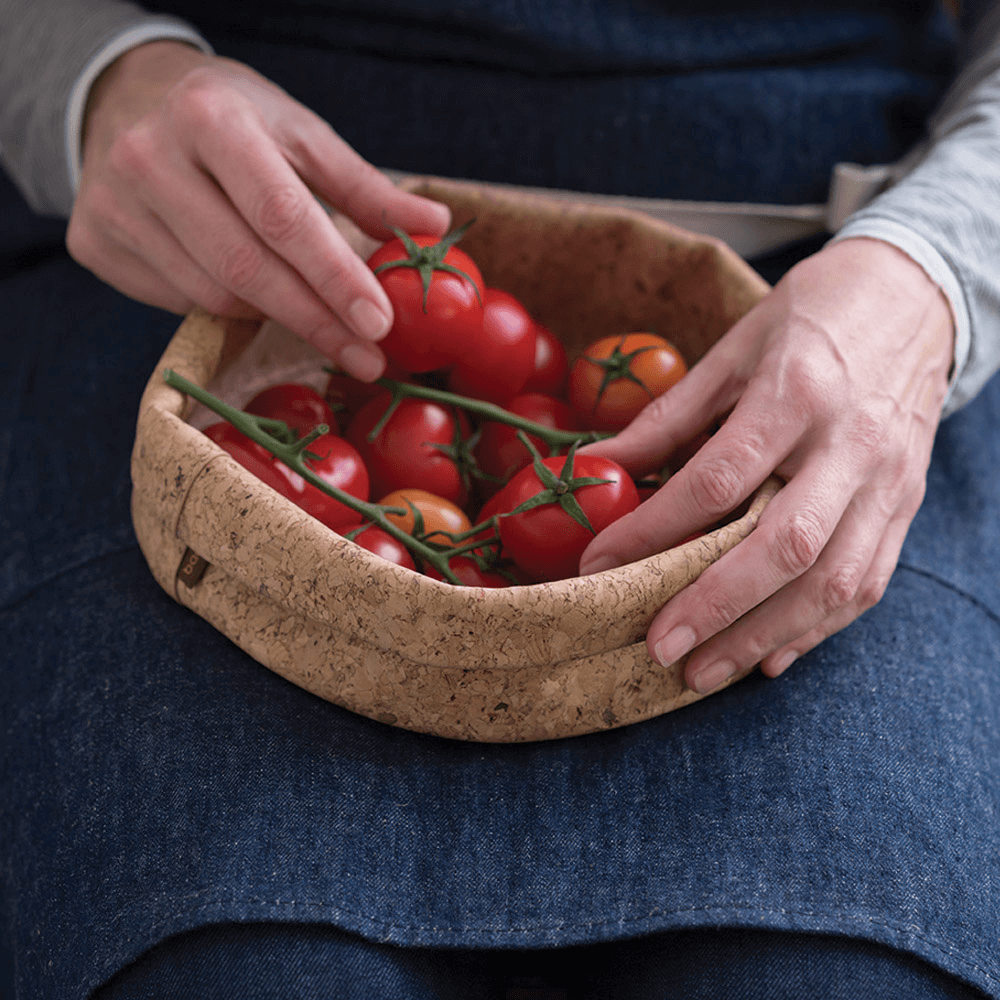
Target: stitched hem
x,y
910,938
971,598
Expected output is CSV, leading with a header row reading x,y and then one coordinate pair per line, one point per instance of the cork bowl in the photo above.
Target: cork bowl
x,y
523,663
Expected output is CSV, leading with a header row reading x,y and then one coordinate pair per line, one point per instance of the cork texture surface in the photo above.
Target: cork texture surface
x,y
522,663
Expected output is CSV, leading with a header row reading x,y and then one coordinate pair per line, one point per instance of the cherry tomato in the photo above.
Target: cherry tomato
x,y
551,364
300,406
470,573
377,540
436,327
253,457
546,541
499,452
337,464
439,514
617,376
503,358
345,394
419,445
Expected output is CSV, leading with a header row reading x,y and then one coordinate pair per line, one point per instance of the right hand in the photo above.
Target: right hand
x,y
197,188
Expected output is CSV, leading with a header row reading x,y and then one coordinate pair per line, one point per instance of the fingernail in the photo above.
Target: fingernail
x,y
367,320
710,677
674,645
361,361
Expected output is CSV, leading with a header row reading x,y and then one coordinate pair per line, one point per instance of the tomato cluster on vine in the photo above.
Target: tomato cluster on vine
x,y
468,444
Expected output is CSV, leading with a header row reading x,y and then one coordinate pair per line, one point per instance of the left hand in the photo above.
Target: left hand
x,y
835,381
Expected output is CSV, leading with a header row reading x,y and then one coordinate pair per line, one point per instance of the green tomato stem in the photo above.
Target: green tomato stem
x,y
554,438
291,455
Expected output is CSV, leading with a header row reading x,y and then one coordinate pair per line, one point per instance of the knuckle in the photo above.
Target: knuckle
x,y
240,266
839,588
337,276
280,212
717,485
797,543
132,155
814,384
657,412
872,590
200,100
719,610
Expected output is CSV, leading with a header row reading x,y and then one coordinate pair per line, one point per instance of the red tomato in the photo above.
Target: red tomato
x,y
503,358
345,394
377,540
439,514
546,541
551,364
436,329
470,574
300,406
253,457
617,376
500,454
338,464
407,451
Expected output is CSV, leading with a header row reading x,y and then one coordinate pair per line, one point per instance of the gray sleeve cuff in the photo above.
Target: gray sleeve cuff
x,y
944,212
153,30
937,269
50,54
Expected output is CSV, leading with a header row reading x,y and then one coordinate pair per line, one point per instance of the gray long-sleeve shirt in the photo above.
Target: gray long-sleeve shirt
x,y
943,209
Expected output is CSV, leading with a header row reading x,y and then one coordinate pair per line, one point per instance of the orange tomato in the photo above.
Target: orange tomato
x,y
439,515
617,376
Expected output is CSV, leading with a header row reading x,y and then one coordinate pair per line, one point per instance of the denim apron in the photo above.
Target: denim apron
x,y
156,779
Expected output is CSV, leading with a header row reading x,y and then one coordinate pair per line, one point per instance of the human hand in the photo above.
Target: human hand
x,y
835,382
197,188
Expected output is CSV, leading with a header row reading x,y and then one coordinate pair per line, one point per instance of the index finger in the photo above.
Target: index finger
x,y
724,473
287,218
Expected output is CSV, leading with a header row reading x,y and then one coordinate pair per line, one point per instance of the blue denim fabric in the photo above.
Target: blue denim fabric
x,y
716,101
154,779
309,962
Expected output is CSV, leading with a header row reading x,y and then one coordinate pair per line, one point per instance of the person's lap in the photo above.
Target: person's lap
x,y
156,780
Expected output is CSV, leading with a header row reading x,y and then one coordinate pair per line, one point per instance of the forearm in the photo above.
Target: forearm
x,y
944,212
50,54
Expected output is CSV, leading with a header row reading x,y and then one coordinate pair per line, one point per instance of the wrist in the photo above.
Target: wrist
x,y
874,260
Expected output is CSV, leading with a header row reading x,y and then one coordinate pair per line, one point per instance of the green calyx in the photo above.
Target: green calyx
x,y
558,489
427,260
618,366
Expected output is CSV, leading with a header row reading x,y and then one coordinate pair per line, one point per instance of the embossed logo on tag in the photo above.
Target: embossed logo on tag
x,y
192,568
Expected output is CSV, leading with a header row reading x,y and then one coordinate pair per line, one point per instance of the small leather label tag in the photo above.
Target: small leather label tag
x,y
192,568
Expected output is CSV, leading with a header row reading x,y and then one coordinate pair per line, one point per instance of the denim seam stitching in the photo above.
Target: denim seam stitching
x,y
971,598
720,910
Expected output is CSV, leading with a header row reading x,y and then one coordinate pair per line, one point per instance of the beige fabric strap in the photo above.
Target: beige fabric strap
x,y
750,229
